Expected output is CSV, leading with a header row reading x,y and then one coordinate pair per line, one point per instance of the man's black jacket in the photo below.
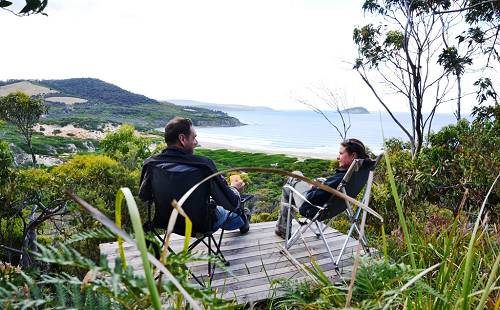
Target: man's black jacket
x,y
220,192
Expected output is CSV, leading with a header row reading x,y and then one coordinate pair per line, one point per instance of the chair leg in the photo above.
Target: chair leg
x,y
295,236
349,234
219,252
363,240
326,245
209,263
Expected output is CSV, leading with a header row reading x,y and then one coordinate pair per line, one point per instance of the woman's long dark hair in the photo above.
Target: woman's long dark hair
x,y
355,146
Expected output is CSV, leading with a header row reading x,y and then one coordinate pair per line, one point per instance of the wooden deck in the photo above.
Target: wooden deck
x,y
256,260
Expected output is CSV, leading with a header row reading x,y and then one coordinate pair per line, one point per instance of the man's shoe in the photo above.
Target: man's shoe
x,y
246,226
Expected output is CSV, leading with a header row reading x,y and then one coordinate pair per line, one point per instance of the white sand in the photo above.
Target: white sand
x,y
25,87
66,100
74,132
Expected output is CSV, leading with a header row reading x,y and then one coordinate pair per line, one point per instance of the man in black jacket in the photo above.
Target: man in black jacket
x,y
180,137
349,150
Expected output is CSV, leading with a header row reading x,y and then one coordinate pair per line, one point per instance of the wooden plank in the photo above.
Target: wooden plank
x,y
273,254
255,260
245,260
265,291
282,272
244,244
241,294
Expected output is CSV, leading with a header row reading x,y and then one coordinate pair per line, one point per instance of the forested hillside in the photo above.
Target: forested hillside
x,y
96,90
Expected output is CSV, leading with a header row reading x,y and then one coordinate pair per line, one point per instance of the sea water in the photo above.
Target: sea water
x,y
309,133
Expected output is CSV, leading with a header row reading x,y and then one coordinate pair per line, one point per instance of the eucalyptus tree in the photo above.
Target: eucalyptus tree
x,y
23,112
411,50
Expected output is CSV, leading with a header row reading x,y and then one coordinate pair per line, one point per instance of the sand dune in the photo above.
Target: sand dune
x,y
66,100
26,87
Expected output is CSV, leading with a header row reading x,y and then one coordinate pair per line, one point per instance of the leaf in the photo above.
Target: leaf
x,y
31,5
4,3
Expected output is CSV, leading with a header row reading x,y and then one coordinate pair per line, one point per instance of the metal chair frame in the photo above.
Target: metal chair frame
x,y
354,216
200,238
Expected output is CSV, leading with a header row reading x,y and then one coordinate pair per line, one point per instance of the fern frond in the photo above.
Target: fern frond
x,y
64,256
98,233
62,278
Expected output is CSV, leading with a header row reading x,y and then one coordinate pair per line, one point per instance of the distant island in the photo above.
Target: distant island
x,y
217,106
89,103
356,110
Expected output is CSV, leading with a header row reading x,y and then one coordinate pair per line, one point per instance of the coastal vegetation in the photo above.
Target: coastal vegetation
x,y
438,192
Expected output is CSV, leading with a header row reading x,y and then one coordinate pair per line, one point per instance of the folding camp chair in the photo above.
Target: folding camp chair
x,y
171,181
359,175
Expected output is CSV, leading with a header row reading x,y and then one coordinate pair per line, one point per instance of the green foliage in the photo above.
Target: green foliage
x,y
96,90
452,61
144,116
48,145
23,112
6,161
267,187
375,280
95,178
125,146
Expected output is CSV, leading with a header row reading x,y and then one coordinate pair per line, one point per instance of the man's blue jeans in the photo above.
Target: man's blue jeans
x,y
222,218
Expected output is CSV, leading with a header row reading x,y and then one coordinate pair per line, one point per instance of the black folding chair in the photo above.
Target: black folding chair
x,y
358,176
170,181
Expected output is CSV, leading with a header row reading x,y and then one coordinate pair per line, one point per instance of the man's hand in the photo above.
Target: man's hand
x,y
237,182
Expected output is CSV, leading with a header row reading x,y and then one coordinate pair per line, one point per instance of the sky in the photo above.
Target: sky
x,y
262,52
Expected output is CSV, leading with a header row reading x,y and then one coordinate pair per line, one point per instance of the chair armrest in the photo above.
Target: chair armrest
x,y
302,196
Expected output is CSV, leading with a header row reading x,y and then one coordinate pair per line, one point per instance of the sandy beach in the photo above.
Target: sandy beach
x,y
81,133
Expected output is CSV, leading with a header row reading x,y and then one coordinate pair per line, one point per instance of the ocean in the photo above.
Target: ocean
x,y
307,133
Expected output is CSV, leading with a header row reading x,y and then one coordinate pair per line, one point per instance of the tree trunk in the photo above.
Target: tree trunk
x,y
29,242
30,147
457,114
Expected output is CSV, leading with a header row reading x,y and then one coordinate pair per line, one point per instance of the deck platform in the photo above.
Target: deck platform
x,y
256,260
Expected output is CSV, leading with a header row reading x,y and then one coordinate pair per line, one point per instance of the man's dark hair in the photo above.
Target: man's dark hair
x,y
175,127
355,146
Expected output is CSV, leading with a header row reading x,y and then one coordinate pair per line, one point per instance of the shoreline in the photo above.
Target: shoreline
x,y
300,155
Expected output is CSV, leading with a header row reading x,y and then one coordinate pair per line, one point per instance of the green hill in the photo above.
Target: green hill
x,y
88,103
96,90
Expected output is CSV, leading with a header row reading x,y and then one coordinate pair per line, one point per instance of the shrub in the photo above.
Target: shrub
x,y
6,160
127,147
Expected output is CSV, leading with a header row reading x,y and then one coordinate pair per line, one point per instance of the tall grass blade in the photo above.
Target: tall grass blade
x,y
111,225
399,208
397,200
489,284
470,253
384,242
140,241
118,221
410,283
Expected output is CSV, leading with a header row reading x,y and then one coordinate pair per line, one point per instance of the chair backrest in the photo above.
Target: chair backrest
x,y
353,182
170,181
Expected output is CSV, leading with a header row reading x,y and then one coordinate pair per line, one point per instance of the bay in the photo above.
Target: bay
x,y
307,133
